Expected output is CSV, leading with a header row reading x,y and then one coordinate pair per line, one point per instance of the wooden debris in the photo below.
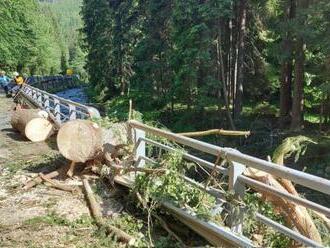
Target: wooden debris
x,y
56,185
71,169
136,169
35,181
216,132
294,214
96,213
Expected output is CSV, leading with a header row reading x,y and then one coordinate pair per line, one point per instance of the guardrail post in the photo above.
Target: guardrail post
x,y
236,211
46,103
139,145
57,110
40,98
72,112
34,94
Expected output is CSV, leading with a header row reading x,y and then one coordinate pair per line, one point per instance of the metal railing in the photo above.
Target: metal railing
x,y
237,182
53,83
60,109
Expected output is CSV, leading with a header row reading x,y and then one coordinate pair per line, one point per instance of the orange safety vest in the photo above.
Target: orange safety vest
x,y
19,80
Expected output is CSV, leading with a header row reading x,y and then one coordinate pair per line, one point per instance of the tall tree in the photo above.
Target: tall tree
x,y
286,63
238,104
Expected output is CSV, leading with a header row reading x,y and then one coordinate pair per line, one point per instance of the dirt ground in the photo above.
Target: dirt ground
x,y
41,216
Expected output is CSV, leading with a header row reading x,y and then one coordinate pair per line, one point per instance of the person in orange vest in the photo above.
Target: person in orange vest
x,y
17,83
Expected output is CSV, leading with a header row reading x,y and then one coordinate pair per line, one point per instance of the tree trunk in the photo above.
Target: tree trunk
x,y
222,78
298,88
32,123
83,140
286,69
238,105
285,92
294,214
80,140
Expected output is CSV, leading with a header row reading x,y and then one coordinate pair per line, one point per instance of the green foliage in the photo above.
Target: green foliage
x,y
296,146
67,23
27,38
54,219
171,187
270,237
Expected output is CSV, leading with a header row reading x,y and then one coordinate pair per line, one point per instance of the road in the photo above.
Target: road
x,y
41,216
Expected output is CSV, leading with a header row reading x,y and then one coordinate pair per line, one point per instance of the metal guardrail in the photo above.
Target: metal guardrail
x,y
53,83
60,109
237,182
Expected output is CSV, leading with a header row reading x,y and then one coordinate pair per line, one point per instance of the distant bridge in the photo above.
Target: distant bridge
x,y
62,110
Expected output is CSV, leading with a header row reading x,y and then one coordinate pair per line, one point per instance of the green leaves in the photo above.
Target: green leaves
x,y
172,187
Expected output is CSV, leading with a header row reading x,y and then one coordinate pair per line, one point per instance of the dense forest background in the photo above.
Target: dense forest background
x,y
40,37
270,56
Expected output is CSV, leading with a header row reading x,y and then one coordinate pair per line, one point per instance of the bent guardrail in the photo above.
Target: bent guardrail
x,y
237,182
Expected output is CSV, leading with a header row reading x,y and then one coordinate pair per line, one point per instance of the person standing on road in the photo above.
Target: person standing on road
x,y
4,81
18,81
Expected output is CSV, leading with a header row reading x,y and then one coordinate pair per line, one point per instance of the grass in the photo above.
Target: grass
x,y
50,161
53,219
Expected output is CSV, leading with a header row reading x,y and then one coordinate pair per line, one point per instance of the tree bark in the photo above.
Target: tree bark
x,y
294,214
298,87
221,77
238,105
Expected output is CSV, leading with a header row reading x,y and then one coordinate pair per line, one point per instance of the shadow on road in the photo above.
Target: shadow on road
x,y
11,133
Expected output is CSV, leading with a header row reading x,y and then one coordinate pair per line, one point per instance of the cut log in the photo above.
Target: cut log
x,y
80,140
83,140
32,123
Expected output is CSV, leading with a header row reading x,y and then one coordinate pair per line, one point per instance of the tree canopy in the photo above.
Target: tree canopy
x,y
35,36
220,53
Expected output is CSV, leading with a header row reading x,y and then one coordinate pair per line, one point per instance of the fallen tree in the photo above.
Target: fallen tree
x,y
295,215
32,124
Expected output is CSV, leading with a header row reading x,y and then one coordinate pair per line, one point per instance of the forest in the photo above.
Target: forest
x,y
221,55
40,38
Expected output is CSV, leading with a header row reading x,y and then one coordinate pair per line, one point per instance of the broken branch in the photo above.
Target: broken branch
x,y
56,185
216,132
35,181
96,213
